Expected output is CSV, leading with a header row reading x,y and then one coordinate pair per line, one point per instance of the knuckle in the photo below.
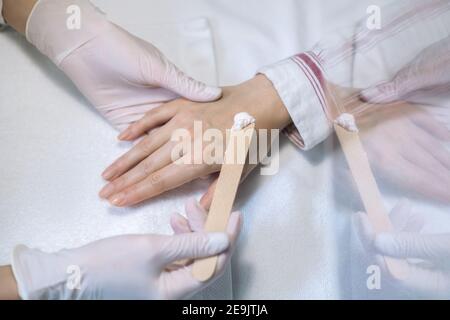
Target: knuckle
x,y
156,179
147,146
147,167
119,164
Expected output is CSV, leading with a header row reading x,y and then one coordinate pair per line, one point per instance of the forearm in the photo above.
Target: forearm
x,y
16,13
8,285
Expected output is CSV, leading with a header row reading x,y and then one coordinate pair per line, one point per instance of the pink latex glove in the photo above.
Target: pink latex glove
x,y
120,74
430,70
428,255
146,266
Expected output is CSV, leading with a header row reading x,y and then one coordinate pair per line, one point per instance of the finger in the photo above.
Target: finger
x,y
206,199
429,185
196,215
121,118
435,148
404,219
157,160
143,149
366,235
414,245
382,93
417,156
165,179
181,283
194,245
187,87
179,224
364,230
422,159
152,119
233,231
400,214
429,124
411,177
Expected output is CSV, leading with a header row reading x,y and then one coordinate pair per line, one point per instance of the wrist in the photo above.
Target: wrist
x,y
16,13
57,34
8,284
46,276
265,104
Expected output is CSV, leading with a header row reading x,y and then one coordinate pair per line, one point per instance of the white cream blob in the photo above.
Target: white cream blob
x,y
347,121
242,120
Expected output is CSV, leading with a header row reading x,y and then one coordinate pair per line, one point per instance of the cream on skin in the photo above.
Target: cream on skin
x,y
347,121
242,120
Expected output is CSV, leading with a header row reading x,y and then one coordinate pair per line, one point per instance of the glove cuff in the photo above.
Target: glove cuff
x,y
44,276
58,27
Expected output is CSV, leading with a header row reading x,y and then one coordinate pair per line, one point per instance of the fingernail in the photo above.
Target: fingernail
x,y
124,134
218,242
106,191
108,174
118,200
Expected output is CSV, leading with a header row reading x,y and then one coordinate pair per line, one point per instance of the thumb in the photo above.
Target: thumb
x,y
383,93
413,245
192,246
178,82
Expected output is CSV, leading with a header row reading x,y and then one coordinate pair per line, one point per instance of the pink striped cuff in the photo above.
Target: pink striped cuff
x,y
299,83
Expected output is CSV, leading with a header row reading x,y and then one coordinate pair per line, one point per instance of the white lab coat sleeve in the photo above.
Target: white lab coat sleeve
x,y
299,88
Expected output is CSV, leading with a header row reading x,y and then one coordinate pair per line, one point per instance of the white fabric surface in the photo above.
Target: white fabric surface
x,y
296,236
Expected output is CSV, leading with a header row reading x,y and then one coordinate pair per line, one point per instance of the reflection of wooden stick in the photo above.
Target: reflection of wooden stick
x,y
224,195
370,194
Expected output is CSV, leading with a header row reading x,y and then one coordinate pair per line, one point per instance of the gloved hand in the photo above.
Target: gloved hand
x,y
120,74
127,267
429,274
430,70
417,159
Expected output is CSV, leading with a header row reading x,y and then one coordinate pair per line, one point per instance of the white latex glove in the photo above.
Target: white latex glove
x,y
126,267
121,75
428,256
430,70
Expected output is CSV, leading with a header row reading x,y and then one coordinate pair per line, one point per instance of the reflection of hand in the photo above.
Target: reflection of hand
x,y
148,169
120,74
128,267
430,276
430,70
406,146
